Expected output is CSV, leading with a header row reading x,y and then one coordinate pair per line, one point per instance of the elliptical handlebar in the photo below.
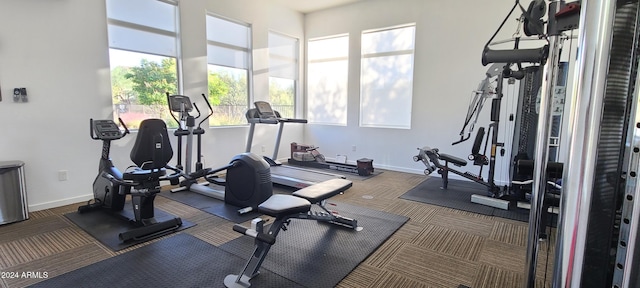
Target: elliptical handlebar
x,y
126,130
206,100
186,111
198,110
170,111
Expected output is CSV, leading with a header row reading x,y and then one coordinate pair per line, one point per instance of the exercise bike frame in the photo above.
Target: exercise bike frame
x,y
111,189
102,188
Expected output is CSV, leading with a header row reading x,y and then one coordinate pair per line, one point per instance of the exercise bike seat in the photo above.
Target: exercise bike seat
x,y
323,190
279,205
452,159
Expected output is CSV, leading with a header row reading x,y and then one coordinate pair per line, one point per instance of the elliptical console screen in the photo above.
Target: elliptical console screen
x,y
265,110
179,102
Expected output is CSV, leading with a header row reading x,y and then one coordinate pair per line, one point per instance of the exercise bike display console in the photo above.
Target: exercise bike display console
x,y
106,130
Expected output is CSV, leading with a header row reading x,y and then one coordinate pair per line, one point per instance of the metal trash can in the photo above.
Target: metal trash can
x,y
13,194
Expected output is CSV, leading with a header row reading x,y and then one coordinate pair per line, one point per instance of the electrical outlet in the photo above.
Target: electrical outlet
x,y
353,148
63,175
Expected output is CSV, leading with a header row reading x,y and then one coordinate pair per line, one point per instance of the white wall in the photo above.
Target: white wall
x,y
58,50
60,56
450,37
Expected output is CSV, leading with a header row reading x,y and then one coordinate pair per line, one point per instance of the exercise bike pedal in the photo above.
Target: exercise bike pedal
x,y
90,206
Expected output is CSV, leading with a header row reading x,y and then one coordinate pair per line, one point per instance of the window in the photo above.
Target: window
x,y
143,54
229,63
386,77
283,73
328,64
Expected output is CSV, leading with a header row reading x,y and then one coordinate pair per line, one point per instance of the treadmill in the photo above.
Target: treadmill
x,y
281,174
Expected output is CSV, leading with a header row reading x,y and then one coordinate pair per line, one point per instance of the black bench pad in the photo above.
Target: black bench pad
x,y
323,190
280,205
453,159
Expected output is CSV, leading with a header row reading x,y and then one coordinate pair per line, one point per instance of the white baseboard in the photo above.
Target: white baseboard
x,y
59,203
375,166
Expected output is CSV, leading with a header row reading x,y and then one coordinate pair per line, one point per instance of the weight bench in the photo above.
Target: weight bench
x,y
427,155
284,208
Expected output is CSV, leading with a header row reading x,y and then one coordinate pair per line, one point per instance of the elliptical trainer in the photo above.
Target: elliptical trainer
x,y
151,153
248,179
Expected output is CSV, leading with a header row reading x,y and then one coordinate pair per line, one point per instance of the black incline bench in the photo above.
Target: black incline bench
x,y
284,208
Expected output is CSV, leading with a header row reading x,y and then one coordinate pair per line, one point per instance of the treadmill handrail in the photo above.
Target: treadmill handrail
x,y
292,120
263,120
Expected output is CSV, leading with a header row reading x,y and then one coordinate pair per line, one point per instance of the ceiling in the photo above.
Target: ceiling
x,y
307,6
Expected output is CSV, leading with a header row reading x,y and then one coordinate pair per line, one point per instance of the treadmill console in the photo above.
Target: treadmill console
x,y
106,130
180,103
265,110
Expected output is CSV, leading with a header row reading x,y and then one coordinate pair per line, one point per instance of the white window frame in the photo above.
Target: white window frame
x,y
249,56
341,80
293,61
113,23
387,102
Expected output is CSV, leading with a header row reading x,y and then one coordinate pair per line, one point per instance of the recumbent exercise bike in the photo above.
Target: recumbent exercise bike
x,y
151,152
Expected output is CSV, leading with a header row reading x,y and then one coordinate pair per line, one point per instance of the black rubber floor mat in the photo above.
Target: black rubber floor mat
x,y
458,196
178,261
105,227
318,254
210,205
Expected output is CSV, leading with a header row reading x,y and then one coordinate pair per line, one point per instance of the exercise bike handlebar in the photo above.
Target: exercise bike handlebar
x,y
91,132
117,181
178,173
